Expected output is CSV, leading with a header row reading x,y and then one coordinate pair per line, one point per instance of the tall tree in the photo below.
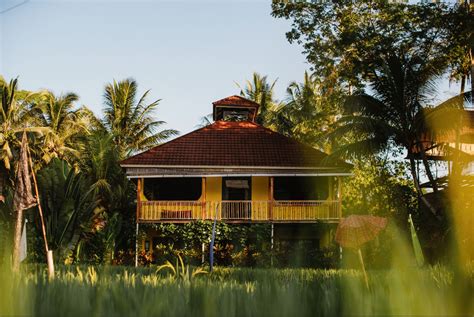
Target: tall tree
x,y
390,115
15,115
460,25
67,204
307,112
341,38
395,50
111,190
259,90
131,121
67,126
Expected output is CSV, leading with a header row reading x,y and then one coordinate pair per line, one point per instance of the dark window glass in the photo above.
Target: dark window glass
x,y
301,188
184,188
236,188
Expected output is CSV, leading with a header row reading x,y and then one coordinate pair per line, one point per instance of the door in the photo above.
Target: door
x,y
236,196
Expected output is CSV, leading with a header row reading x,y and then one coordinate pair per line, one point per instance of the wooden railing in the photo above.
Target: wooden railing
x,y
244,211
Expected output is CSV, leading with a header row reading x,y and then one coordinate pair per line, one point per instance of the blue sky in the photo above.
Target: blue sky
x,y
189,53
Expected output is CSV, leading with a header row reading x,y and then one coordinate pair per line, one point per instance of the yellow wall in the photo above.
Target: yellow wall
x,y
260,188
214,189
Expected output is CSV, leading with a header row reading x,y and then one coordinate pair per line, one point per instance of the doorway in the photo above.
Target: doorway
x,y
236,198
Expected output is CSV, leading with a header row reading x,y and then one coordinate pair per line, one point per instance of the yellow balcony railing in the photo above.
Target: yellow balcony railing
x,y
240,211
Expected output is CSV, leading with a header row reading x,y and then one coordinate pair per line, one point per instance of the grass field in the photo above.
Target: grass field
x,y
120,291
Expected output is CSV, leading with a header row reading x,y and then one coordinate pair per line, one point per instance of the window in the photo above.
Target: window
x,y
185,188
236,115
236,188
301,188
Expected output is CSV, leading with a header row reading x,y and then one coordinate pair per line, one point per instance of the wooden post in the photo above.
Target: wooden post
x,y
136,245
339,194
139,192
203,211
361,259
203,250
270,200
271,241
50,264
49,254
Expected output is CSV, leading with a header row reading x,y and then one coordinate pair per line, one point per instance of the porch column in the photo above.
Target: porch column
x,y
139,195
203,198
270,199
339,196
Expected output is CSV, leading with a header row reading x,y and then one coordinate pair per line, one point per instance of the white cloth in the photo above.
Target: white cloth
x,y
23,243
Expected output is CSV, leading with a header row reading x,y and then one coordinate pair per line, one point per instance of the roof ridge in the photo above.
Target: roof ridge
x,y
236,96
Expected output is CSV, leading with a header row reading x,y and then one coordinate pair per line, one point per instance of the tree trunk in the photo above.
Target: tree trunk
x,y
472,75
17,240
422,151
429,173
418,188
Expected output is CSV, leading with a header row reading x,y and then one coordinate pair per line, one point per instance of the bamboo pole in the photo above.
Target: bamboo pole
x,y
49,253
139,212
272,241
361,259
136,245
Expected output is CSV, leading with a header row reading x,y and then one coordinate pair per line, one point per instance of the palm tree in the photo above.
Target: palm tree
x,y
66,126
15,116
111,190
260,91
306,114
205,121
131,122
68,206
389,116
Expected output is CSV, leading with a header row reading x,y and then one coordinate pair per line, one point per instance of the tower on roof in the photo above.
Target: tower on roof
x,y
235,108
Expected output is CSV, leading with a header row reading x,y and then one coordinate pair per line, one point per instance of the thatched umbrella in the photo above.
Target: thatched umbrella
x,y
355,230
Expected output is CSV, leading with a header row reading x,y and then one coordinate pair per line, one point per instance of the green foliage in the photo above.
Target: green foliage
x,y
379,186
68,206
308,112
113,291
260,91
15,115
129,121
240,245
344,40
180,271
66,126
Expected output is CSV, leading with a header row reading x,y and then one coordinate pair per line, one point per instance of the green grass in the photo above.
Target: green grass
x,y
121,291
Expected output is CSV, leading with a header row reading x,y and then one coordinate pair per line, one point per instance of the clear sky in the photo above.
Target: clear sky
x,y
189,53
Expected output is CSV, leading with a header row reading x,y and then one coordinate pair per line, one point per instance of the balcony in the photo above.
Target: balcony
x,y
240,211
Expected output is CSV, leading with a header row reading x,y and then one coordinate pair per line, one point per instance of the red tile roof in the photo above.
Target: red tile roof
x,y
225,143
236,101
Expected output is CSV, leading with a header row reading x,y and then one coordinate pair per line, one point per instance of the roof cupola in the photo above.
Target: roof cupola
x,y
235,108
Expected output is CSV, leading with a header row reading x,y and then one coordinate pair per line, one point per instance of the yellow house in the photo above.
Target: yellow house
x,y
237,171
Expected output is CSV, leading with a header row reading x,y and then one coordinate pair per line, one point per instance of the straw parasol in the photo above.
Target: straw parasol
x,y
355,230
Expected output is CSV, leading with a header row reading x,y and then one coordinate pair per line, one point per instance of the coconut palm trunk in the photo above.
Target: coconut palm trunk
x,y
22,199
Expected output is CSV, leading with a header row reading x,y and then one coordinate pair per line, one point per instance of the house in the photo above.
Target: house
x,y
237,171
449,138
